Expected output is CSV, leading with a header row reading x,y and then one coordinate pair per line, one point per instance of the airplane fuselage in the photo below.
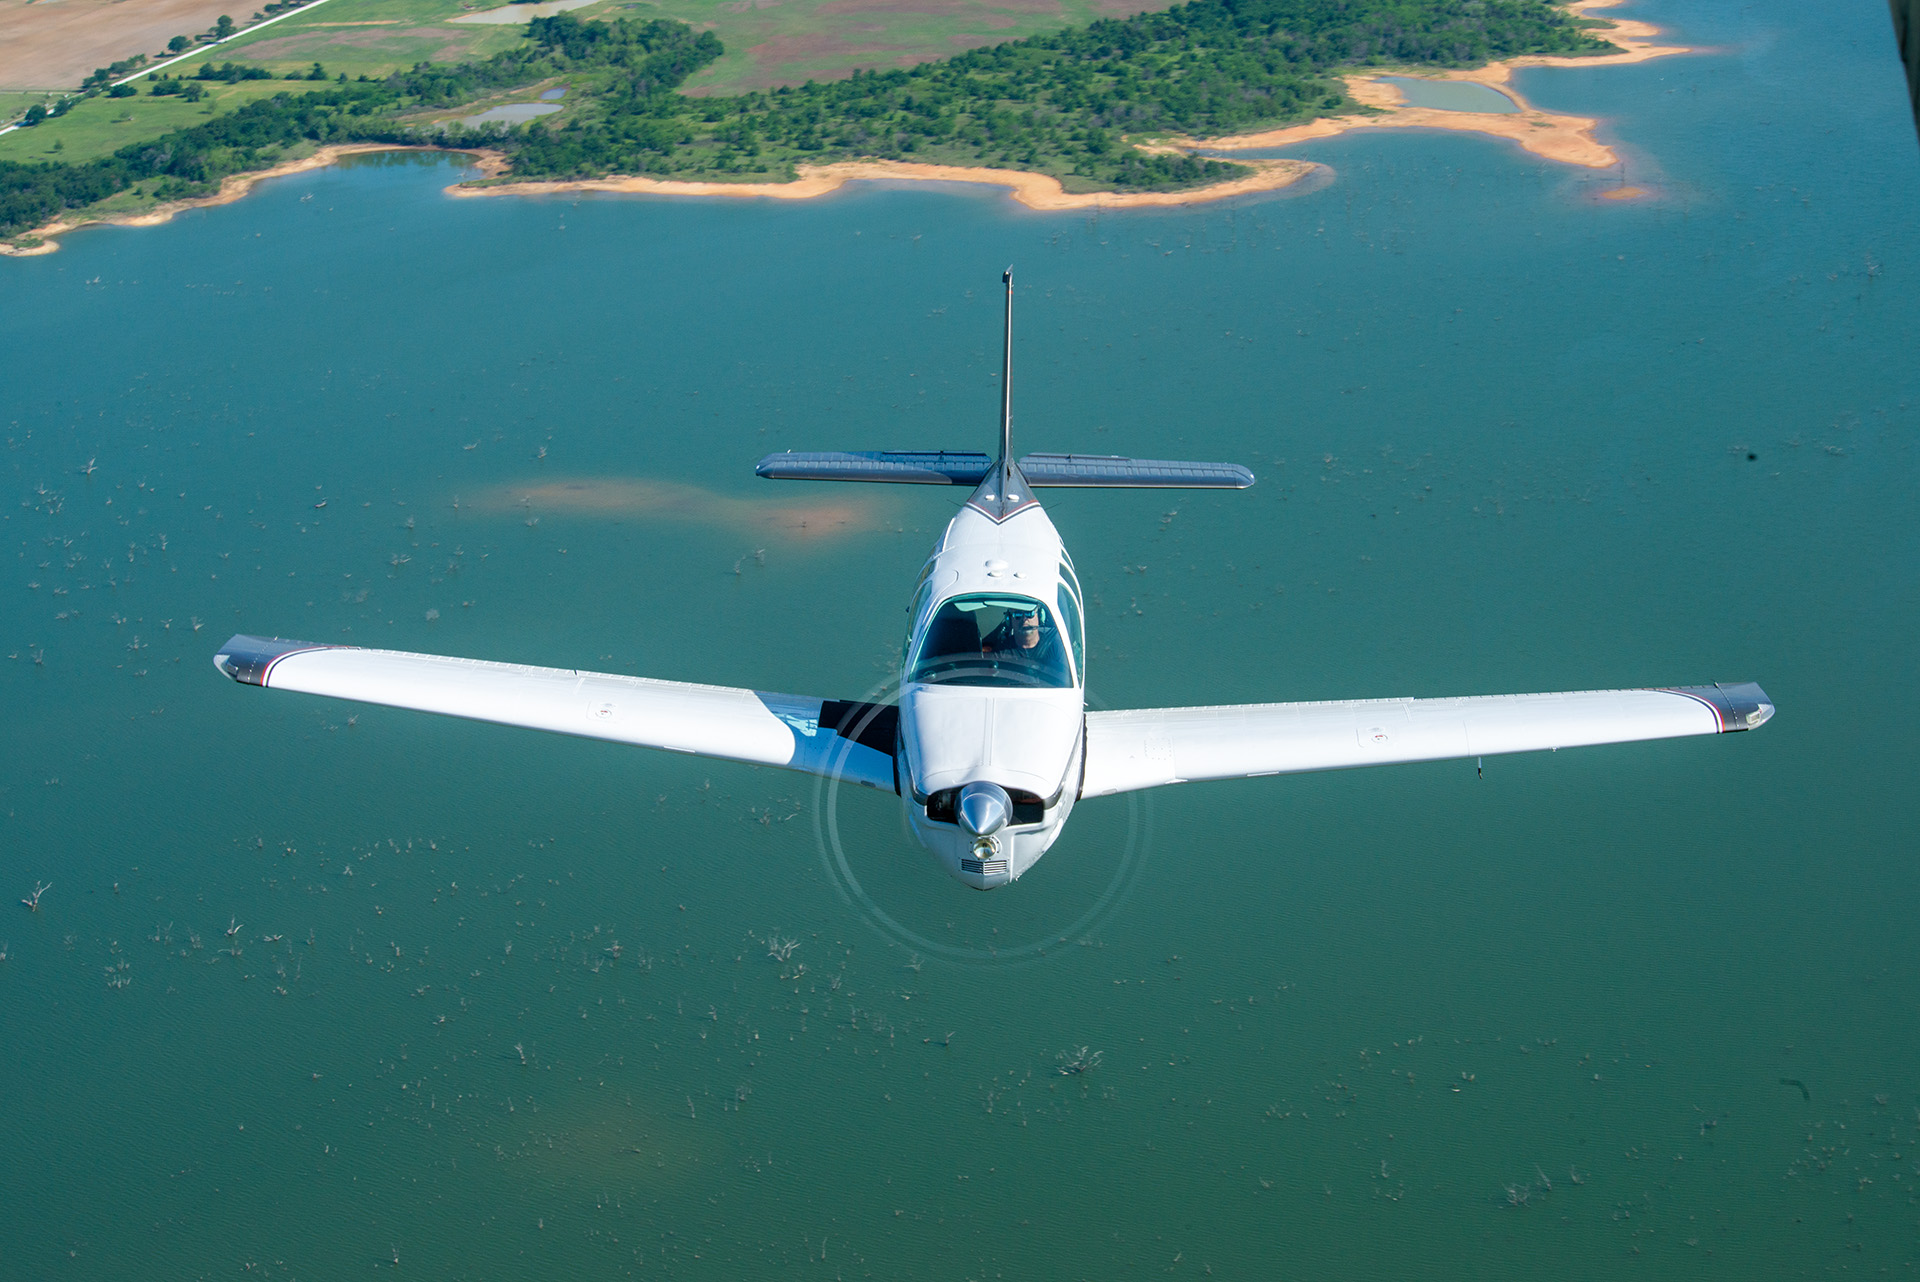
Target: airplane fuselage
x,y
974,712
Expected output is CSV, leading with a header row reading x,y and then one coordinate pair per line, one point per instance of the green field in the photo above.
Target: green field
x,y
767,44
367,38
100,126
13,104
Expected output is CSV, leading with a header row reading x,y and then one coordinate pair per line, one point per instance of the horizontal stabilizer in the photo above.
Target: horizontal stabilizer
x,y
900,467
945,467
1110,471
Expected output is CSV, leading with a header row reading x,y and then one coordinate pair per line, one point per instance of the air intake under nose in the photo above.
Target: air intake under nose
x,y
984,808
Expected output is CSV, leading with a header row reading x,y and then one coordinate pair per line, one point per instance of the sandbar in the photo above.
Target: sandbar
x,y
1035,191
1566,139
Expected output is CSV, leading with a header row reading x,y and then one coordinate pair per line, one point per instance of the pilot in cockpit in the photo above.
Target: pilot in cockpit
x,y
1019,636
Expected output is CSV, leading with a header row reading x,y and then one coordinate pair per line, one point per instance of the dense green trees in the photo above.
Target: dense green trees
x,y
1057,103
103,76
1064,103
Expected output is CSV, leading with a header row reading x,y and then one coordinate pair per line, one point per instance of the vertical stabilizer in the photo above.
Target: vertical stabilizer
x,y
1004,492
1003,487
1006,375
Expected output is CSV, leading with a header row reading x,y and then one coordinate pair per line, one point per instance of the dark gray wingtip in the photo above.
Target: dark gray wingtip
x,y
248,660
1740,706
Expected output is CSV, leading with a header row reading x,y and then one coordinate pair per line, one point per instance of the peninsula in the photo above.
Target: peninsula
x,y
1117,113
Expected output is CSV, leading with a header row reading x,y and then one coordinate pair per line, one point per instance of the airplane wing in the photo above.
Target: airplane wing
x,y
1153,746
836,738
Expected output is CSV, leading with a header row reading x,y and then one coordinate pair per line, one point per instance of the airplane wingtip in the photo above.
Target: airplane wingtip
x,y
248,659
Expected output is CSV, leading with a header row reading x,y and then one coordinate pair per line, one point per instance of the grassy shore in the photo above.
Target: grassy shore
x,y
100,126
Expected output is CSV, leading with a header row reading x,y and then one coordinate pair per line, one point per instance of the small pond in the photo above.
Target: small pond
x,y
512,114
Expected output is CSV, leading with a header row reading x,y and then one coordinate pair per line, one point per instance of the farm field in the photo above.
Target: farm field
x,y
767,44
799,40
372,37
56,45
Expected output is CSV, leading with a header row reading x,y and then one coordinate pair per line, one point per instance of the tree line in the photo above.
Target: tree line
x,y
1065,103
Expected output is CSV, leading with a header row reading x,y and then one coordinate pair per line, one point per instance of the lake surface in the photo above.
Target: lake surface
x,y
319,985
1451,95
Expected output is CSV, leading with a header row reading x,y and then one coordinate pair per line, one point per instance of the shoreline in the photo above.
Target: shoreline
x,y
232,188
1567,140
1564,139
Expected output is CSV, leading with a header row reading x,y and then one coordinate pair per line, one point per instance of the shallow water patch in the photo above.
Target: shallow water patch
x,y
1451,95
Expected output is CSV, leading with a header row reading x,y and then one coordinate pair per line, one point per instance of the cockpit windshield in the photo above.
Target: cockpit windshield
x,y
993,640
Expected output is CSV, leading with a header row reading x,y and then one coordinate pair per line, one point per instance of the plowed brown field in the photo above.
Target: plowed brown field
x,y
55,44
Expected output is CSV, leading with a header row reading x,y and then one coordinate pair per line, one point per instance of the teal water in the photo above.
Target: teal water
x,y
1451,95
503,1005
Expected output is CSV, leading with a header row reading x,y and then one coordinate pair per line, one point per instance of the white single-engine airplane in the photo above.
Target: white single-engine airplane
x,y
991,743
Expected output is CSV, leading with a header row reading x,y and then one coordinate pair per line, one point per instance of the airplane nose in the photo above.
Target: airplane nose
x,y
984,808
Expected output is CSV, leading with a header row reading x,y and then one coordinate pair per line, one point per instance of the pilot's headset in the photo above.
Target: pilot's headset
x,y
1002,638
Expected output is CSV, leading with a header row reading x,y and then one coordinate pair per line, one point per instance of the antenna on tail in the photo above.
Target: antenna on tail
x,y
1006,378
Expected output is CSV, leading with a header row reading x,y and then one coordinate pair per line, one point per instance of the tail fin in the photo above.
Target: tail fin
x,y
930,467
945,467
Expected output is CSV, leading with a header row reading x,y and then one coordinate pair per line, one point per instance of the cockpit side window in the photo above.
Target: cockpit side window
x,y
1070,623
914,612
1072,579
993,640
